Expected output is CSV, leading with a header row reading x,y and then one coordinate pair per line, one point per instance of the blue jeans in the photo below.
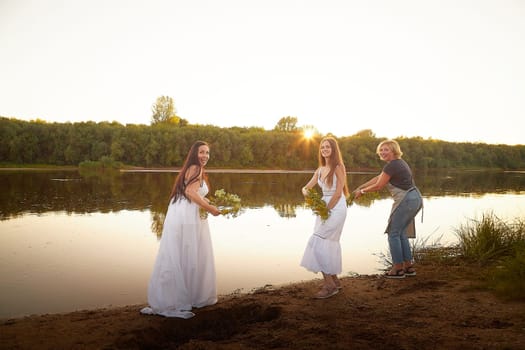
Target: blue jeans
x,y
399,221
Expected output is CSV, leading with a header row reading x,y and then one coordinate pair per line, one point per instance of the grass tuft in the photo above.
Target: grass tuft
x,y
499,247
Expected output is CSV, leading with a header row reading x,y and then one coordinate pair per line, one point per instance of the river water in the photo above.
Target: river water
x,y
71,241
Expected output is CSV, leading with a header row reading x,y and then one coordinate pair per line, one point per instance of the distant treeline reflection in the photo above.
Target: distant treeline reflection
x,y
40,192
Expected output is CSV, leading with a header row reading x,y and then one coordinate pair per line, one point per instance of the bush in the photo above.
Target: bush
x,y
102,164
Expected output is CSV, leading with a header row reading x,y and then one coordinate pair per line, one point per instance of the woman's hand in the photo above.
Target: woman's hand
x,y
214,211
304,190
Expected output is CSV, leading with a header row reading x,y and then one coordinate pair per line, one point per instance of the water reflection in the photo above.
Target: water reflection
x,y
71,241
56,191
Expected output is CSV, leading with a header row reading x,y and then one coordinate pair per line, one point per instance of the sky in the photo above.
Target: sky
x,y
449,70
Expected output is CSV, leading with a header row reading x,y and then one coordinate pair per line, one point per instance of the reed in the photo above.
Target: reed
x,y
498,248
488,239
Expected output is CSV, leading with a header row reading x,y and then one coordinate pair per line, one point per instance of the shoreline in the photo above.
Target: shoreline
x,y
442,307
174,170
243,171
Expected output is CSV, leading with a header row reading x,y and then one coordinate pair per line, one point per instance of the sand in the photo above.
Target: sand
x,y
441,308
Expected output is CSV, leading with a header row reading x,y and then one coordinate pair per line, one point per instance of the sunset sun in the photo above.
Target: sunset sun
x,y
308,133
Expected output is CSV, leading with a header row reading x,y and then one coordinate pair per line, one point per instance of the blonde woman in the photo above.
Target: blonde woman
x,y
397,177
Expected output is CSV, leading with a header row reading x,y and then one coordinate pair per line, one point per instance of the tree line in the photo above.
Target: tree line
x,y
165,144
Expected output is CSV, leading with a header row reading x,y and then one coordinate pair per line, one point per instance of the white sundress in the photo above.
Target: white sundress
x,y
323,251
184,272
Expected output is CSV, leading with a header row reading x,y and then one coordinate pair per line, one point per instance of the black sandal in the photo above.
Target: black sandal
x,y
410,271
399,274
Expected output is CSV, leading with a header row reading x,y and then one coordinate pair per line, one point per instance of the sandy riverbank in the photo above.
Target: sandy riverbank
x,y
441,308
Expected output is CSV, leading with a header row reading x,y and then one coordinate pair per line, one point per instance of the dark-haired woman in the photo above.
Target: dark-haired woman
x,y
184,272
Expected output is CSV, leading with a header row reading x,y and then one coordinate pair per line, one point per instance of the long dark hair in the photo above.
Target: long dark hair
x,y
180,184
336,158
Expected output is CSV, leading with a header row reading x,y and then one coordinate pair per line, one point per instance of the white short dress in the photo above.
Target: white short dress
x,y
184,272
323,251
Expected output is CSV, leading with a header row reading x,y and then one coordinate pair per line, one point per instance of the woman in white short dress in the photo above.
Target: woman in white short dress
x,y
323,251
184,272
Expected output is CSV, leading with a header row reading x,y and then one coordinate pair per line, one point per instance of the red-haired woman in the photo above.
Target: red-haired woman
x,y
323,251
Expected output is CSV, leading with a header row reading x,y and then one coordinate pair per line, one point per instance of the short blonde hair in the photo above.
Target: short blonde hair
x,y
393,145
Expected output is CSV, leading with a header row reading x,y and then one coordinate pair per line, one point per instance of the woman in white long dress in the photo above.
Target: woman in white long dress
x,y
323,251
184,272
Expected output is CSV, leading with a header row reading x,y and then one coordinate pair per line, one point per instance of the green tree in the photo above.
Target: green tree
x,y
366,133
164,111
287,124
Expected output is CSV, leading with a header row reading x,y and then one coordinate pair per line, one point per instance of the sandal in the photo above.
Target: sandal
x,y
336,286
398,274
410,271
325,293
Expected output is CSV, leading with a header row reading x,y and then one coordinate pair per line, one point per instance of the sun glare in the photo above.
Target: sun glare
x,y
308,133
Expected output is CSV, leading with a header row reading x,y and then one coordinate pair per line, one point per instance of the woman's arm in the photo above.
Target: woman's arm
x,y
374,184
368,183
311,183
192,192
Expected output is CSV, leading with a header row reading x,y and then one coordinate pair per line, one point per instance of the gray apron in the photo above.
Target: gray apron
x,y
399,194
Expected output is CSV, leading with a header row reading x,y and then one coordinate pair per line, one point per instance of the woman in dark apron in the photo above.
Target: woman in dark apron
x,y
397,177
